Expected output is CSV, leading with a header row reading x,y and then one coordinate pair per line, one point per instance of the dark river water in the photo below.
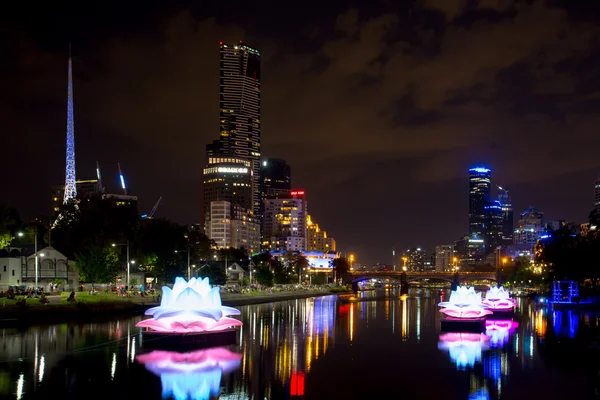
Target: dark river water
x,y
319,348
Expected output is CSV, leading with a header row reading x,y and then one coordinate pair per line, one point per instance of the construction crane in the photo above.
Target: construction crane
x,y
122,179
151,215
501,188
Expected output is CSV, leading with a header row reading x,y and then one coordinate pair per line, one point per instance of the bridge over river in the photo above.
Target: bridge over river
x,y
405,278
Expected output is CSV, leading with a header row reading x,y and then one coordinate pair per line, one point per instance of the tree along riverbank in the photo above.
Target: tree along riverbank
x,y
34,313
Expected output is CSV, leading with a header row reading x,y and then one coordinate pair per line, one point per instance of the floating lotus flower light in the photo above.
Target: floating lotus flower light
x,y
196,375
499,331
191,307
464,348
464,304
498,299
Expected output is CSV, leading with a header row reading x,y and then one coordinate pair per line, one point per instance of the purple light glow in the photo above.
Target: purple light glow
x,y
464,348
190,307
195,375
498,299
465,304
499,331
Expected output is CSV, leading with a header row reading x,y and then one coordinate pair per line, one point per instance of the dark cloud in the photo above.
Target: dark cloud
x,y
379,113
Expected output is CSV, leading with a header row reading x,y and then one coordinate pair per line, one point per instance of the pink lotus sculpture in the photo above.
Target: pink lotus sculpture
x,y
499,331
498,299
190,307
196,375
464,304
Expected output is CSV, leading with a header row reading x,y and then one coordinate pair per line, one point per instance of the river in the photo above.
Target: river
x,y
317,348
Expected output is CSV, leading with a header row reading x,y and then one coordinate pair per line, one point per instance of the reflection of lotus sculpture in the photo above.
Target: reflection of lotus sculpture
x,y
464,303
499,331
499,299
195,375
464,348
190,307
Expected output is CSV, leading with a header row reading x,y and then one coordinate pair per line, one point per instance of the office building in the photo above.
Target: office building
x,y
231,225
240,109
531,227
226,178
479,196
284,223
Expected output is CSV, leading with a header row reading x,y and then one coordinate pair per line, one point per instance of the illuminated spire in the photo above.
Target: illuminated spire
x,y
70,181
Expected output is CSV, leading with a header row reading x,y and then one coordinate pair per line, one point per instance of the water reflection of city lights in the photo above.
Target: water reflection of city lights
x,y
464,348
499,331
41,368
404,318
113,366
194,375
568,328
20,384
480,394
540,323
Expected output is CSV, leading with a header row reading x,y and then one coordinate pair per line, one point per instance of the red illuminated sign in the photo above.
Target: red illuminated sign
x,y
298,193
297,384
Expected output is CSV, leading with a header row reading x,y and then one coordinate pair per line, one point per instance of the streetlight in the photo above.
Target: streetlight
x,y
351,259
188,261
455,261
20,234
405,259
126,244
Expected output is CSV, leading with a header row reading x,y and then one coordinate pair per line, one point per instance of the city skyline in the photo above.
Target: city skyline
x,y
155,120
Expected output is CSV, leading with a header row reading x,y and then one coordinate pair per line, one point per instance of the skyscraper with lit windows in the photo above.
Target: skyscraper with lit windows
x,y
479,195
240,108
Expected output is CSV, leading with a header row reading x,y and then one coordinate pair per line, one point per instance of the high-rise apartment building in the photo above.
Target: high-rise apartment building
x,y
226,178
415,259
531,227
317,239
231,225
479,195
444,255
240,109
284,223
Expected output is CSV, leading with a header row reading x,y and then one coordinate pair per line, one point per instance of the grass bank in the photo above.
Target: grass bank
x,y
108,306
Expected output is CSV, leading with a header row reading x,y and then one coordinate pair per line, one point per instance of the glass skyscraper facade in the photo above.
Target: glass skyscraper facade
x,y
479,195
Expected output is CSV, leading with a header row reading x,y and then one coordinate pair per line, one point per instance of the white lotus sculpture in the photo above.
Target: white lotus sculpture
x,y
190,307
196,375
464,303
499,299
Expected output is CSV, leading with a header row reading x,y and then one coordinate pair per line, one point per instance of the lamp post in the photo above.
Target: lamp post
x,y
126,244
188,261
405,259
35,249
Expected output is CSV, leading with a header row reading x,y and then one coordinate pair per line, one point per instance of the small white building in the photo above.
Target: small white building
x,y
17,269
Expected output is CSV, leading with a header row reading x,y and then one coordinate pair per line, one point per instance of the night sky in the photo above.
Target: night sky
x,y
380,107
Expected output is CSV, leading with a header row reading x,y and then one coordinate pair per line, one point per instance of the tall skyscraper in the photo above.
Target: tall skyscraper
x,y
70,181
479,194
494,225
275,179
508,228
240,109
